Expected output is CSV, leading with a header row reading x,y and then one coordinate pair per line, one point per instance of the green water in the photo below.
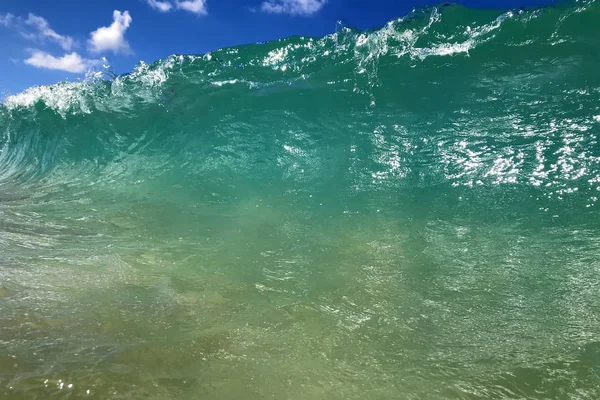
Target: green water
x,y
407,213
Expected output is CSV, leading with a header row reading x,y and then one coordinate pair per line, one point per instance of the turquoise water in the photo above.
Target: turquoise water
x,y
405,213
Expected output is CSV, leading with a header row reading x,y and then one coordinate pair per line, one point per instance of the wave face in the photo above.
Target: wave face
x,y
409,212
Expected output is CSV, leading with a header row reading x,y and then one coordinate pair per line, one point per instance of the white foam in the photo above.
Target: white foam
x,y
62,97
82,97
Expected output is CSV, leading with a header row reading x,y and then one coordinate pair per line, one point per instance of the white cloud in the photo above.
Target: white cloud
x,y
45,32
36,28
162,6
293,7
112,38
69,62
6,19
193,6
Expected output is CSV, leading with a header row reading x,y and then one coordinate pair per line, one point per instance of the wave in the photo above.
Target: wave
x,y
228,225
447,95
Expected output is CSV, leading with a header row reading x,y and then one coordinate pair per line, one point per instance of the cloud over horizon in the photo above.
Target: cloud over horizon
x,y
162,6
293,7
194,6
6,19
112,38
43,32
37,29
72,62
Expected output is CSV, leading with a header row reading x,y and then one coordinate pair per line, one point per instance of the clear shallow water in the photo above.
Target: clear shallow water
x,y
404,213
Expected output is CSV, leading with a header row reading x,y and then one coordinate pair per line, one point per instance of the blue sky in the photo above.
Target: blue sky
x,y
43,42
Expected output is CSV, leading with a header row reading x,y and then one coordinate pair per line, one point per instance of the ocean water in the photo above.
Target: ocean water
x,y
406,213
